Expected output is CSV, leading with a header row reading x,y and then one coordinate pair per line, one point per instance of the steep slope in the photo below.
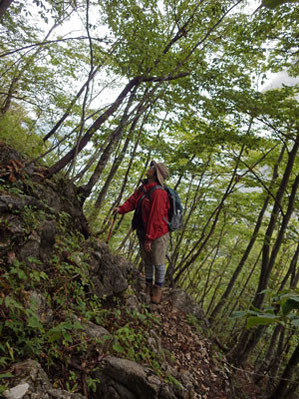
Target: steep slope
x,y
74,322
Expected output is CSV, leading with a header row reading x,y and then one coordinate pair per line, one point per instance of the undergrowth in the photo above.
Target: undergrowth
x,y
45,310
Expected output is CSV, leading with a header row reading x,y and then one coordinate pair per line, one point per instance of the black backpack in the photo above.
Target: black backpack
x,y
175,216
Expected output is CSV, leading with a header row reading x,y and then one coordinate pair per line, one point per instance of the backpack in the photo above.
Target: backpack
x,y
175,217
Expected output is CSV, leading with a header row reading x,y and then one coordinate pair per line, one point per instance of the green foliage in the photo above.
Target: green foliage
x,y
284,311
276,3
16,131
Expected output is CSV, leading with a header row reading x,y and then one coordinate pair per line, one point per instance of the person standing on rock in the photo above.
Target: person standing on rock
x,y
151,205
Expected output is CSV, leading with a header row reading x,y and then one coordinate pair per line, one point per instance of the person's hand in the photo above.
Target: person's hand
x,y
116,210
148,246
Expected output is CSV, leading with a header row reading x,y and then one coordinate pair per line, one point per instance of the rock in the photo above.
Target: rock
x,y
109,273
31,247
33,383
16,392
48,233
182,301
132,303
40,306
95,331
10,203
125,379
140,381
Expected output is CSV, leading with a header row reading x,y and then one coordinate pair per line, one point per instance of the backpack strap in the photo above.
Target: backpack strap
x,y
149,193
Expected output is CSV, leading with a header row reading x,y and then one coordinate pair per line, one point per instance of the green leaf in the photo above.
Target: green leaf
x,y
237,314
34,322
118,348
262,320
6,375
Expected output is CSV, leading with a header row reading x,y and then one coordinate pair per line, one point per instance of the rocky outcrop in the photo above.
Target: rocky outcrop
x,y
31,382
124,379
31,210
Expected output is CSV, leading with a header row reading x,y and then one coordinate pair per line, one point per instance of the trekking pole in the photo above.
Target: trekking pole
x,y
111,228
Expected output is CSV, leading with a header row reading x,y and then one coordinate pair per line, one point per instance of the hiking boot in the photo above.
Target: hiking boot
x,y
148,289
148,292
156,294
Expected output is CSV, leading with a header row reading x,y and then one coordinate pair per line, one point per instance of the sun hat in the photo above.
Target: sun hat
x,y
162,171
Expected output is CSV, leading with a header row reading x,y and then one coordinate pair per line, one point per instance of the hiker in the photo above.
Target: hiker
x,y
151,223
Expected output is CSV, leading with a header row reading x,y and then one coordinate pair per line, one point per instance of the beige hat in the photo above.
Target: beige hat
x,y
162,171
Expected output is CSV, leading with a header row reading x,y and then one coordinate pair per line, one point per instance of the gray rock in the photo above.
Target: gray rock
x,y
9,203
31,375
140,381
125,379
182,301
132,303
109,274
95,331
31,247
41,307
16,392
48,233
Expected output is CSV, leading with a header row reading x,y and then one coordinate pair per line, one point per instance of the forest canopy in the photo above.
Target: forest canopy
x,y
97,89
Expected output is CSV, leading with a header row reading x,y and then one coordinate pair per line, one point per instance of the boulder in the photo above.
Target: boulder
x,y
125,379
31,382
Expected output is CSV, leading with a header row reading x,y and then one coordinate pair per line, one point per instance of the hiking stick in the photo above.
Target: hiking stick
x,y
111,228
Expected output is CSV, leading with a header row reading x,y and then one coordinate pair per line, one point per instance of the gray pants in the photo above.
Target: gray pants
x,y
155,259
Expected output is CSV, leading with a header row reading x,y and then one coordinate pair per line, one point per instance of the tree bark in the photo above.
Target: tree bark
x,y
282,386
4,4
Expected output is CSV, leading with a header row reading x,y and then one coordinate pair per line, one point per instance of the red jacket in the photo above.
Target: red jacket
x,y
154,211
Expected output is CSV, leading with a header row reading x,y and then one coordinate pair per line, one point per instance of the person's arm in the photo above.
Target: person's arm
x,y
130,204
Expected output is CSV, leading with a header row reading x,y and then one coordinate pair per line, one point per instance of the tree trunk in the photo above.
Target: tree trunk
x,y
112,172
267,260
205,237
250,245
4,4
73,102
94,127
242,350
282,386
175,254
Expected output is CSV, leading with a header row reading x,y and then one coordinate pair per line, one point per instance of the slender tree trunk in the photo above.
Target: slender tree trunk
x,y
249,246
242,350
220,278
111,175
116,164
205,237
114,140
268,358
94,127
73,102
187,217
267,268
206,286
282,386
244,286
267,260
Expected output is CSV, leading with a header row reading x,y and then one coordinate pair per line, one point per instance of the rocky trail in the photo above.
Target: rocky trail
x,y
74,320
